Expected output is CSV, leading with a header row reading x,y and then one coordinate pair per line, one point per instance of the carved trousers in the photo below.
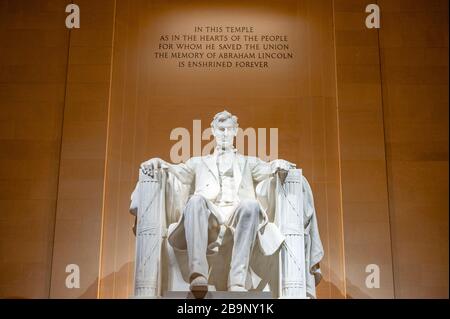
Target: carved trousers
x,y
199,229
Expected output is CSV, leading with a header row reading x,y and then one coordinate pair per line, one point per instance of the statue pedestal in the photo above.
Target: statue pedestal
x,y
220,295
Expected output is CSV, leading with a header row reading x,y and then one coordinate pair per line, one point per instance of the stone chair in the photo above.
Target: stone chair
x,y
293,272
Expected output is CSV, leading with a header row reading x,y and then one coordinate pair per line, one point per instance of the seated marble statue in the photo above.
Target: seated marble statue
x,y
223,209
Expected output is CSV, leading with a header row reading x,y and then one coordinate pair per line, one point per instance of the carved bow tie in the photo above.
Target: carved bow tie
x,y
220,151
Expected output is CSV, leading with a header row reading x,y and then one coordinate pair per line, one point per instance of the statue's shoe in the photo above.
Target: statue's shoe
x,y
199,284
236,288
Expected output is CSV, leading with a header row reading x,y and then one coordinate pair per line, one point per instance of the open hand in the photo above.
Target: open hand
x,y
152,165
282,165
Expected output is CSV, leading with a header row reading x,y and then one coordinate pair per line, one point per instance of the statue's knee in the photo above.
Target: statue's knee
x,y
196,200
195,205
250,204
250,208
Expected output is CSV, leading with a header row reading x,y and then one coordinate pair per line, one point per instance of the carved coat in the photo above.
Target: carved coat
x,y
202,174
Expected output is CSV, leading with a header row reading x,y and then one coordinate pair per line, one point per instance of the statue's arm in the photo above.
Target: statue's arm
x,y
184,172
262,170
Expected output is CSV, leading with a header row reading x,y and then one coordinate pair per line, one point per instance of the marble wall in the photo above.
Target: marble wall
x,y
363,159
414,60
33,65
79,213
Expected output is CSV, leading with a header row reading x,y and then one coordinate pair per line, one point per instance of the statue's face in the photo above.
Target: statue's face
x,y
224,133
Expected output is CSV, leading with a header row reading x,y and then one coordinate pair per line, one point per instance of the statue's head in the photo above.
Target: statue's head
x,y
224,128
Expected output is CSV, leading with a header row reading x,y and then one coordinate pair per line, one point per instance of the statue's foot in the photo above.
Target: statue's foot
x,y
199,286
237,288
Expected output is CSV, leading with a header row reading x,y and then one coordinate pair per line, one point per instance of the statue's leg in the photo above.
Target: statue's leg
x,y
246,223
196,217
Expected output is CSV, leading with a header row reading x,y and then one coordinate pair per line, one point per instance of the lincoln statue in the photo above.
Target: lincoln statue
x,y
225,210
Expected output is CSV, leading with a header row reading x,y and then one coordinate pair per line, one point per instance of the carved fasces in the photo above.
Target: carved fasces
x,y
149,233
289,218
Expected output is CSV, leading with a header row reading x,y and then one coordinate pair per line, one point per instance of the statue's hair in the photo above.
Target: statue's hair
x,y
222,117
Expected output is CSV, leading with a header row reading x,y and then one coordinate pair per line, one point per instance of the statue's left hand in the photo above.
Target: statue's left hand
x,y
282,165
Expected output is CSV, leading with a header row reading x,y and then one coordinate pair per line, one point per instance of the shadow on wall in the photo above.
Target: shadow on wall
x,y
337,293
356,292
91,290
